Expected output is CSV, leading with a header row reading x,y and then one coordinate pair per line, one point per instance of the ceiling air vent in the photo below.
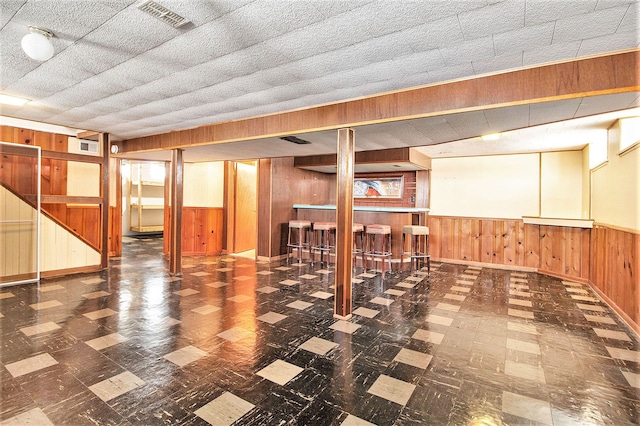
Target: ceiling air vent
x,y
295,140
162,13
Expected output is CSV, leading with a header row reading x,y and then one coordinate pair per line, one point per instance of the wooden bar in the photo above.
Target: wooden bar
x,y
175,255
344,223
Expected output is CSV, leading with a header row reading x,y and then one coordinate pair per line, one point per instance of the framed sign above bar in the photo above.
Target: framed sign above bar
x,y
388,187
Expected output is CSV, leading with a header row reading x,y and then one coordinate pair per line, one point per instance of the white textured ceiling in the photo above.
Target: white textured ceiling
x,y
121,71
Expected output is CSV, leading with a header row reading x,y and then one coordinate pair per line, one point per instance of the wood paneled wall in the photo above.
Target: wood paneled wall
x,y
202,229
615,268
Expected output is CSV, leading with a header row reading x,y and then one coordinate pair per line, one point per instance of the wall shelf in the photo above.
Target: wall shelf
x,y
146,199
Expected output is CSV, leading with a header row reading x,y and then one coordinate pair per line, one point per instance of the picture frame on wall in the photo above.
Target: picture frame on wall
x,y
388,187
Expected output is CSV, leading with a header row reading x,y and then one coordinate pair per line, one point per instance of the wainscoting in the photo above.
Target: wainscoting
x,y
603,256
201,230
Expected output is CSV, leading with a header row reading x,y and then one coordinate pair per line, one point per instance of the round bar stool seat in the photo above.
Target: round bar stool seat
x,y
378,244
418,245
298,237
323,240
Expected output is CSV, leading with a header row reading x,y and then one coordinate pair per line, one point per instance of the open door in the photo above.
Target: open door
x,y
245,230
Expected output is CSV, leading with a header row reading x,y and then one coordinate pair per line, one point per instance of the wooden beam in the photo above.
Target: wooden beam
x,y
90,135
344,224
585,77
175,248
81,158
103,139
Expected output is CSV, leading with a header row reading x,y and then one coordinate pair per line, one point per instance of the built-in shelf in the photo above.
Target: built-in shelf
x,y
146,199
555,221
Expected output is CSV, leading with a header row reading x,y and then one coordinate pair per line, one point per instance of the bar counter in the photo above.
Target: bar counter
x,y
396,217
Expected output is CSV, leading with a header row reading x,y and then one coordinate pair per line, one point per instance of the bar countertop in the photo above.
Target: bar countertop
x,y
364,208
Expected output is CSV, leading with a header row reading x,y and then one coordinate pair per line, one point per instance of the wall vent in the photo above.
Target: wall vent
x,y
90,147
162,13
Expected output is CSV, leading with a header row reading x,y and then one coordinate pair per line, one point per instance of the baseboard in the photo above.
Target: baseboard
x,y
486,265
622,314
69,271
564,276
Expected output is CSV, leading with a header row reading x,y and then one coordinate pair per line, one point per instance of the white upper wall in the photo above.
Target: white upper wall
x,y
615,186
204,184
508,186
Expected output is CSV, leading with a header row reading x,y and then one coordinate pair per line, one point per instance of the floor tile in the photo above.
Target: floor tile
x,y
299,264
34,417
414,279
414,358
448,307
289,282
235,334
280,372
93,281
322,295
172,279
40,328
571,283
318,346
394,292
522,328
271,317
48,288
365,312
428,336
217,284
29,365
115,386
168,322
185,356
300,305
308,276
593,308
224,269
356,281
437,319
205,310
352,420
520,313
101,313
465,282
610,334
241,298
460,289
96,294
106,341
520,302
224,410
186,292
521,287
265,272
282,268
584,298
6,295
345,326
381,301
519,293
624,354
457,297
518,280
632,378
600,319
406,285
520,345
366,275
467,276
324,271
577,290
524,371
45,305
392,389
527,408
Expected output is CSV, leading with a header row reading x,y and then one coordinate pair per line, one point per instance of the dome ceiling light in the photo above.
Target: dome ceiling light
x,y
37,45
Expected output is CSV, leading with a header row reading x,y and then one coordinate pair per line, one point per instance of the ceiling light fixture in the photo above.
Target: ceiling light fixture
x,y
37,45
491,137
13,100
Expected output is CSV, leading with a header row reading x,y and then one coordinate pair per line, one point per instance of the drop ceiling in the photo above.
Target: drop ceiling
x,y
121,71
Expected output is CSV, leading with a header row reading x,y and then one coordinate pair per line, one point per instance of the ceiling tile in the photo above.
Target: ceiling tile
x,y
598,23
441,33
498,63
601,44
494,19
540,11
553,53
547,112
8,8
468,51
526,38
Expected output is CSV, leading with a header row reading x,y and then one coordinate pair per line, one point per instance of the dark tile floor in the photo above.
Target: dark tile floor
x,y
256,343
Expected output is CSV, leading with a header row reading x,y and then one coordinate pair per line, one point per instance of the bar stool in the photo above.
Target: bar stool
x,y
418,245
379,243
358,244
299,230
323,240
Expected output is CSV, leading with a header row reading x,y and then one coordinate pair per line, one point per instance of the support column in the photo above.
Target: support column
x,y
175,245
103,139
344,223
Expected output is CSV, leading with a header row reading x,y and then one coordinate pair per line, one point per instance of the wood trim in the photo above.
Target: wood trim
x,y
79,270
378,156
65,199
81,158
263,248
584,77
103,139
344,223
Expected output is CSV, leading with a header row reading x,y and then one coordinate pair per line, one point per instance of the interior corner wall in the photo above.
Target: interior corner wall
x,y
615,186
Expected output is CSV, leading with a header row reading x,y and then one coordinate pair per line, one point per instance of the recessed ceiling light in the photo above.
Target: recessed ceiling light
x,y
491,137
13,100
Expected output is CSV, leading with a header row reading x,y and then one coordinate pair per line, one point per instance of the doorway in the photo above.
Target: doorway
x,y
245,208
